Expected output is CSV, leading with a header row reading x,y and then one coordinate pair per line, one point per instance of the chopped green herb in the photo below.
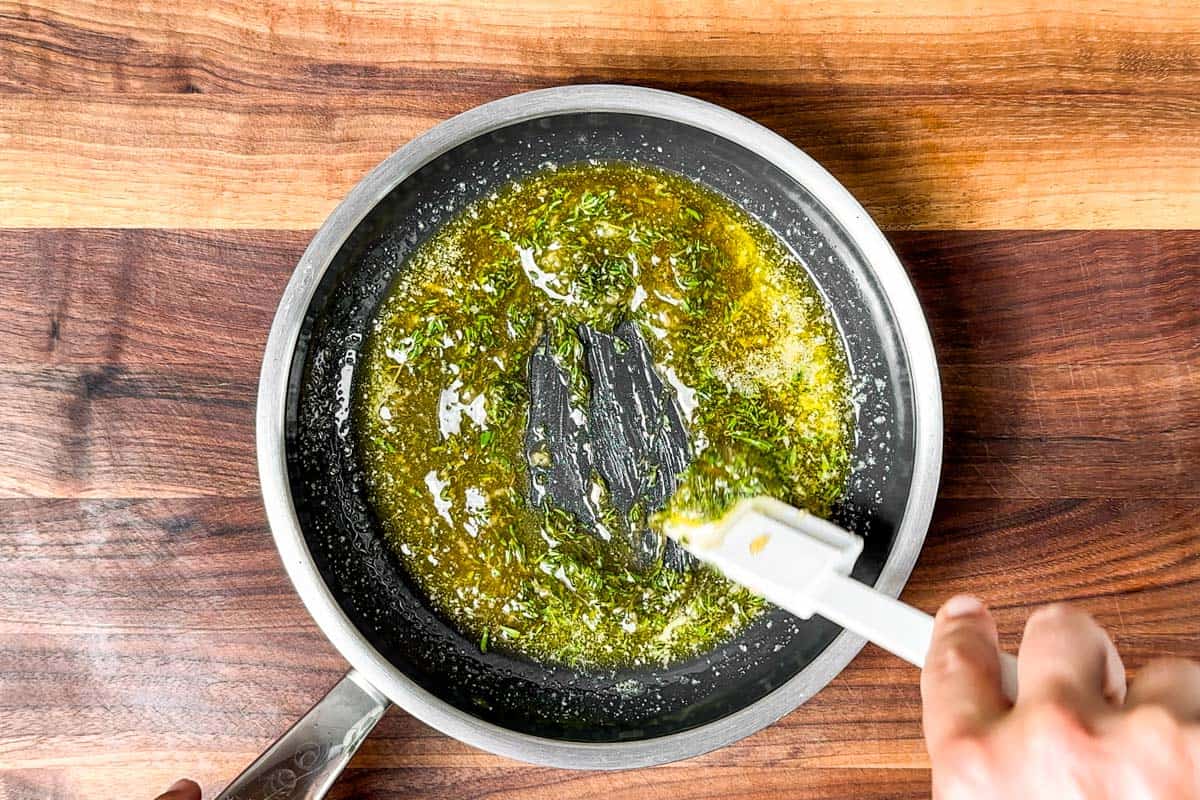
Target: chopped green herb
x,y
719,300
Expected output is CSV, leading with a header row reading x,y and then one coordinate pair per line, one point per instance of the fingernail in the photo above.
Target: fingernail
x,y
963,605
182,783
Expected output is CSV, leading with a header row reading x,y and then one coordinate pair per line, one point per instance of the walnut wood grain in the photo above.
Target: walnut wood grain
x,y
132,298
147,630
104,431
142,297
1113,431
284,159
135,298
1012,431
1061,297
75,46
194,652
134,353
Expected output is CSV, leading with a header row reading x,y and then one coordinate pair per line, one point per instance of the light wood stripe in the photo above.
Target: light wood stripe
x,y
284,160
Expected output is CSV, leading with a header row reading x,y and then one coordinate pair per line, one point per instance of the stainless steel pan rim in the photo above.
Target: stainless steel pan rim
x,y
273,383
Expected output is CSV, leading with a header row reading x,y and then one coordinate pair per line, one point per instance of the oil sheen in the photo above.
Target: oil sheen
x,y
734,325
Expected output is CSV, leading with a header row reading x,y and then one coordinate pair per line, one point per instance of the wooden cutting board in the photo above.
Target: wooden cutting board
x,y
162,166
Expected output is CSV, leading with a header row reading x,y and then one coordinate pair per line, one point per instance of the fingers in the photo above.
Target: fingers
x,y
1066,657
960,684
181,790
1163,706
1171,683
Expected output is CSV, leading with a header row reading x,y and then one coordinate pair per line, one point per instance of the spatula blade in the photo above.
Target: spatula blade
x,y
631,435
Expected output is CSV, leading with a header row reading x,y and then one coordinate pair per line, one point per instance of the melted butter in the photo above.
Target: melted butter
x,y
736,329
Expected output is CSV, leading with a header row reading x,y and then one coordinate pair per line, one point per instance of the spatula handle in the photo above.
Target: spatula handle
x,y
893,625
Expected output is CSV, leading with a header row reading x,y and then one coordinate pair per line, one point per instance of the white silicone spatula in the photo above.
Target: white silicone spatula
x,y
802,563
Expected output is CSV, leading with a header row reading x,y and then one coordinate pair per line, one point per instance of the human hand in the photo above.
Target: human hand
x,y
1076,731
182,789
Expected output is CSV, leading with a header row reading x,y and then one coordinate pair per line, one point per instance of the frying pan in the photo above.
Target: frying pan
x,y
331,543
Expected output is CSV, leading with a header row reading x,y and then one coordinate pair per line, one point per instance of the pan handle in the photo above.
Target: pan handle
x,y
304,762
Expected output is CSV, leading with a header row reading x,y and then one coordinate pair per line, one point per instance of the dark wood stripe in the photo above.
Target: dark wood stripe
x,y
106,431
1011,431
138,297
1089,430
456,47
172,621
1058,297
1069,359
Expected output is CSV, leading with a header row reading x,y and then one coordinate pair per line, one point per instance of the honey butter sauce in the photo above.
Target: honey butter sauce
x,y
734,326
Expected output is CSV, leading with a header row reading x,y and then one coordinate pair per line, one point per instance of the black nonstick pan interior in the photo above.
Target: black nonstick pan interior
x,y
346,541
